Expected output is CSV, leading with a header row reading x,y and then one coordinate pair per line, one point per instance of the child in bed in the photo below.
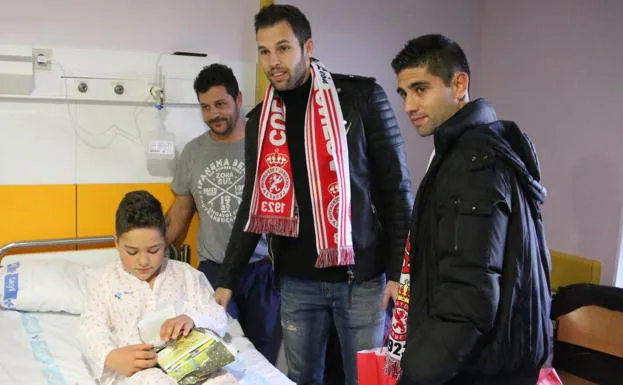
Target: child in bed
x,y
143,281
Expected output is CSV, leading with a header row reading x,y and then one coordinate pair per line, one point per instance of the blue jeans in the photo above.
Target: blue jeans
x,y
308,310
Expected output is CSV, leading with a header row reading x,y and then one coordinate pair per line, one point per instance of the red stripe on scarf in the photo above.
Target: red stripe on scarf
x,y
273,202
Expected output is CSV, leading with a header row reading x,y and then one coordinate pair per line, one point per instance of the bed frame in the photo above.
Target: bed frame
x,y
181,253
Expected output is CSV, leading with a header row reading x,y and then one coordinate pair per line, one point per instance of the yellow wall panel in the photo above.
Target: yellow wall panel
x,y
97,204
35,212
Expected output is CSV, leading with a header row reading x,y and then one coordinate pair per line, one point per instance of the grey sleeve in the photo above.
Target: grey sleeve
x,y
181,176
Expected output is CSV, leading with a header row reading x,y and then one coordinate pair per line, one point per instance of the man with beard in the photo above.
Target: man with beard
x,y
209,179
327,179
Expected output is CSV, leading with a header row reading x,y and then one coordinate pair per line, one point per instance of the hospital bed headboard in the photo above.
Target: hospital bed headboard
x,y
48,243
181,254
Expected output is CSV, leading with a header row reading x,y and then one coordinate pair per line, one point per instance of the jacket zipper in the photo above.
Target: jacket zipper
x,y
374,212
457,204
372,203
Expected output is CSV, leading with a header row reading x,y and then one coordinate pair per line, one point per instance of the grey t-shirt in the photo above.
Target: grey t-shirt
x,y
213,173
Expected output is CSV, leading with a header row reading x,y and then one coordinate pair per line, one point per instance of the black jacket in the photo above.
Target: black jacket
x,y
381,196
480,290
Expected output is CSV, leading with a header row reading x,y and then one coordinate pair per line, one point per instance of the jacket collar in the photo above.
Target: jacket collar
x,y
474,113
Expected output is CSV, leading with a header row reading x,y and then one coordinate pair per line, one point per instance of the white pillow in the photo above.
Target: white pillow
x,y
43,285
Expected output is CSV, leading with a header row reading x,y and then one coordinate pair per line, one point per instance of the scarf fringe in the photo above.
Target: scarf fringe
x,y
331,257
392,367
287,227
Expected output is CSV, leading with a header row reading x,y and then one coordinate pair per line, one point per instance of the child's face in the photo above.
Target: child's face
x,y
142,252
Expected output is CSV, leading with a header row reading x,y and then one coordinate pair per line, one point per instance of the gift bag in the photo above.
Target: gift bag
x,y
548,376
371,368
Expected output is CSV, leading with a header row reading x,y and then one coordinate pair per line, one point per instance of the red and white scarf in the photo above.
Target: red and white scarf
x,y
273,206
398,328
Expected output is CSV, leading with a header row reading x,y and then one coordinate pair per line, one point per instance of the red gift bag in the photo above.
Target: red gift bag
x,y
548,376
371,368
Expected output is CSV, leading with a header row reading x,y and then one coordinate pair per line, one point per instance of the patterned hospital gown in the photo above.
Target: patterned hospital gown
x,y
116,301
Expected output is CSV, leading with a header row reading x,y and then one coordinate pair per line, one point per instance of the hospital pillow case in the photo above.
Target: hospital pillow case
x,y
43,285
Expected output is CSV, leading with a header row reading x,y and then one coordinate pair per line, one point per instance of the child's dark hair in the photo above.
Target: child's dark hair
x,y
139,210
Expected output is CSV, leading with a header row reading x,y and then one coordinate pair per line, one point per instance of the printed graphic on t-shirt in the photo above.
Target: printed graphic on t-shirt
x,y
220,188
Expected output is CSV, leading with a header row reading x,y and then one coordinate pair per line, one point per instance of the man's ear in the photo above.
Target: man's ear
x,y
308,47
239,99
460,86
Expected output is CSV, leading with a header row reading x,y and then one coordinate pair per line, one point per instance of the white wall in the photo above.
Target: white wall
x,y
111,38
209,26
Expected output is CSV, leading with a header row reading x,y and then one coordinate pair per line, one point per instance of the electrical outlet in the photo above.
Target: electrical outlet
x,y
42,59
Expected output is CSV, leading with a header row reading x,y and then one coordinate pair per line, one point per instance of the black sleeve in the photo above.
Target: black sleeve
x,y
242,244
391,177
471,239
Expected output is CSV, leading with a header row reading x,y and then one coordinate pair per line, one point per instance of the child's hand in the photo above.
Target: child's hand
x,y
176,327
131,359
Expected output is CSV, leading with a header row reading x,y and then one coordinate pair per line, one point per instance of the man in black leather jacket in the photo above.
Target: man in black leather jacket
x,y
480,290
350,297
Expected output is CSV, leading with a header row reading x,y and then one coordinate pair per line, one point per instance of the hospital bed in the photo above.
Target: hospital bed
x,y
40,347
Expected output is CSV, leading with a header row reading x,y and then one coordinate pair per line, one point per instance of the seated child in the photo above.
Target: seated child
x,y
141,282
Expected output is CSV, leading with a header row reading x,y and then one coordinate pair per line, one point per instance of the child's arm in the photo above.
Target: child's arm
x,y
98,346
94,335
203,310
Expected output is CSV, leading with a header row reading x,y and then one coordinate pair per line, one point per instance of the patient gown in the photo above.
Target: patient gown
x,y
116,301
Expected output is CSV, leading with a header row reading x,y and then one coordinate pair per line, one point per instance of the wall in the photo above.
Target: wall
x,y
362,37
65,164
210,26
52,206
226,29
555,67
552,66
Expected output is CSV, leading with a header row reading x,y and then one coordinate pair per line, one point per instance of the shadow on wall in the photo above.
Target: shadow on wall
x,y
597,198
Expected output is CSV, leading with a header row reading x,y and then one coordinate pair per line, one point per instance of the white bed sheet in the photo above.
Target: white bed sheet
x,y
41,348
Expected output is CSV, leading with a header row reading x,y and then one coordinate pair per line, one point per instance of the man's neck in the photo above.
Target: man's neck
x,y
298,95
463,102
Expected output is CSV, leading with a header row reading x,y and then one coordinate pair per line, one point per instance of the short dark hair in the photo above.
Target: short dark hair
x,y
274,13
139,210
217,75
441,55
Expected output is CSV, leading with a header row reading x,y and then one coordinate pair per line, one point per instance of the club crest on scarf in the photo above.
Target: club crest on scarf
x,y
398,333
275,181
273,205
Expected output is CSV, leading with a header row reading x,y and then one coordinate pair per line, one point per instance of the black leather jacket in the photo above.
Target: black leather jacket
x,y
380,185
